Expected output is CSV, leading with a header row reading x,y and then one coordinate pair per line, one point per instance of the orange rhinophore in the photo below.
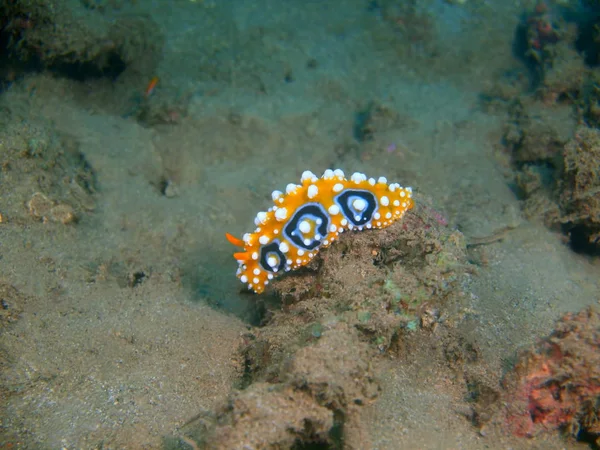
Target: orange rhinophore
x,y
234,240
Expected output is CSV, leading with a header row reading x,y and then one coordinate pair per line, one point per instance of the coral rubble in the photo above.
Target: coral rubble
x,y
580,187
54,36
309,367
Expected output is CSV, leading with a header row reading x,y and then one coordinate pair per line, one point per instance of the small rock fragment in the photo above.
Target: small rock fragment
x,y
171,189
39,205
63,213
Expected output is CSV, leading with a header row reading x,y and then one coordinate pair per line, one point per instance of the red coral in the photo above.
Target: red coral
x,y
557,385
541,28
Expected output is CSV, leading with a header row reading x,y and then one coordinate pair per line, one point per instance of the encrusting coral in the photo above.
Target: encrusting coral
x,y
556,386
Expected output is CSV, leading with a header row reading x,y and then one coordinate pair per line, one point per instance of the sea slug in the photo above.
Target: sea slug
x,y
310,216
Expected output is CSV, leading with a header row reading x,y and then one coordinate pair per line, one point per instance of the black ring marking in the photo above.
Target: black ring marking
x,y
345,199
310,211
272,248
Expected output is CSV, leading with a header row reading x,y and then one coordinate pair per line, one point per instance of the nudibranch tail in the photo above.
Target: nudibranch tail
x,y
310,216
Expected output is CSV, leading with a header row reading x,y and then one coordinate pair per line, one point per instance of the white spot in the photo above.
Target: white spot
x,y
388,215
261,218
263,239
281,214
284,248
369,225
409,189
254,255
402,194
396,202
319,221
244,279
358,177
298,261
325,242
384,201
308,175
255,280
313,191
359,204
404,204
357,218
334,210
339,173
307,242
310,255
304,226
271,261
270,276
256,271
300,252
328,174
317,236
372,181
344,222
291,188
376,216
275,195
246,238
332,228
338,187
382,180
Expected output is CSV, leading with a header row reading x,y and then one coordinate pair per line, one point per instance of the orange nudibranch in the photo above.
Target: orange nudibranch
x,y
310,216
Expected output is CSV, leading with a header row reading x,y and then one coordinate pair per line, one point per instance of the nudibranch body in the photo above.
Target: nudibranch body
x,y
310,216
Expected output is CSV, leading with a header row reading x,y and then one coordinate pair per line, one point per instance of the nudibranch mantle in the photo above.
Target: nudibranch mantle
x,y
310,216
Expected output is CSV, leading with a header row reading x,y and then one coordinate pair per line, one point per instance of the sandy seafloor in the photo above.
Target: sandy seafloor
x,y
95,363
